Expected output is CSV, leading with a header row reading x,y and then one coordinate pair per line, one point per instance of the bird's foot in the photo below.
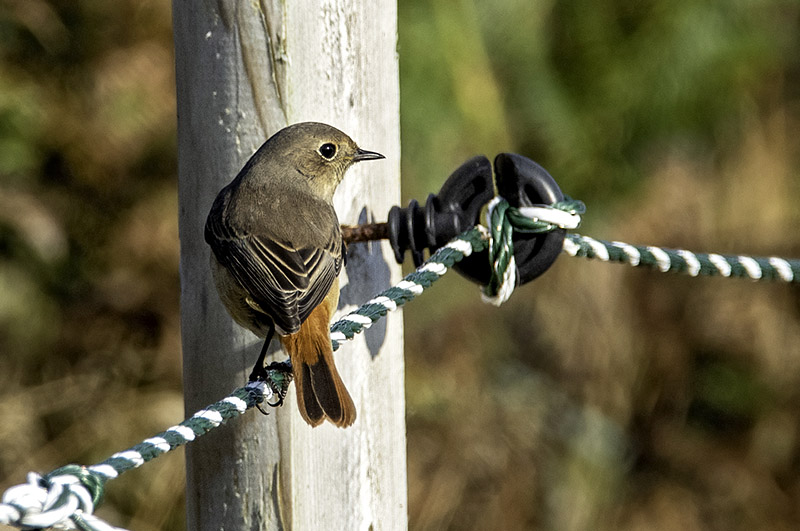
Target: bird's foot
x,y
277,376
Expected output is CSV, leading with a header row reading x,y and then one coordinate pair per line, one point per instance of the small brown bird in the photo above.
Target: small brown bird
x,y
277,251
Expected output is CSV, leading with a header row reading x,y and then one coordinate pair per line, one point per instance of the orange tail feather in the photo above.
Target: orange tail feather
x,y
321,393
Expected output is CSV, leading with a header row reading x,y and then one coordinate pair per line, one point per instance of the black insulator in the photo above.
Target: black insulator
x,y
457,208
453,210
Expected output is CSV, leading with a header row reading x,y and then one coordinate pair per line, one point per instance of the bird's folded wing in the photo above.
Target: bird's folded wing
x,y
286,283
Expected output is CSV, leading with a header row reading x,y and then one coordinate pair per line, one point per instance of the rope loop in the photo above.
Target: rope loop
x,y
63,499
564,214
503,221
93,483
501,253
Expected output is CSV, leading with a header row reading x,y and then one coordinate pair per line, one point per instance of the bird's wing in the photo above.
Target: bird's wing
x,y
286,283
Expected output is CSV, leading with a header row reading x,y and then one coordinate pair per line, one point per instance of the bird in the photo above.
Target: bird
x,y
276,252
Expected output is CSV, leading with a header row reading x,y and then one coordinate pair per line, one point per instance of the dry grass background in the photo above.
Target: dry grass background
x,y
599,397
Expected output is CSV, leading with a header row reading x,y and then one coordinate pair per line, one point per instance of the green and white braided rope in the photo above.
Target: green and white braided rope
x,y
473,240
503,220
45,502
66,497
683,261
565,215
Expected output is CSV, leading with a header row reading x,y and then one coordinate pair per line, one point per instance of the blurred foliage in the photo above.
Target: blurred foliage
x,y
89,326
598,398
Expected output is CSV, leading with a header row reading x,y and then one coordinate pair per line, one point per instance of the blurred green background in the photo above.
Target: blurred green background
x,y
599,397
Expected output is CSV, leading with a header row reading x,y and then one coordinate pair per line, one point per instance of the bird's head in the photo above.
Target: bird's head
x,y
319,152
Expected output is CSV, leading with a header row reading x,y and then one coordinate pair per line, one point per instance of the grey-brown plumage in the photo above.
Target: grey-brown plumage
x,y
277,251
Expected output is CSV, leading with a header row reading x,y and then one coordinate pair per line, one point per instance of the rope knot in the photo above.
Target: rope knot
x,y
63,499
503,221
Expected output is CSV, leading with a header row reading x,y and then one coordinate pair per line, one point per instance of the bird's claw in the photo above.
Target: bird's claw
x,y
276,404
277,376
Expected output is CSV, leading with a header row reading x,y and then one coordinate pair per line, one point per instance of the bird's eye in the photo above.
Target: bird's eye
x,y
327,150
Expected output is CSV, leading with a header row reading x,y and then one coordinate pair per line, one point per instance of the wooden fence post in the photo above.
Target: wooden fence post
x,y
245,70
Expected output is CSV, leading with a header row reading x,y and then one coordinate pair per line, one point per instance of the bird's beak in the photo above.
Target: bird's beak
x,y
363,154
